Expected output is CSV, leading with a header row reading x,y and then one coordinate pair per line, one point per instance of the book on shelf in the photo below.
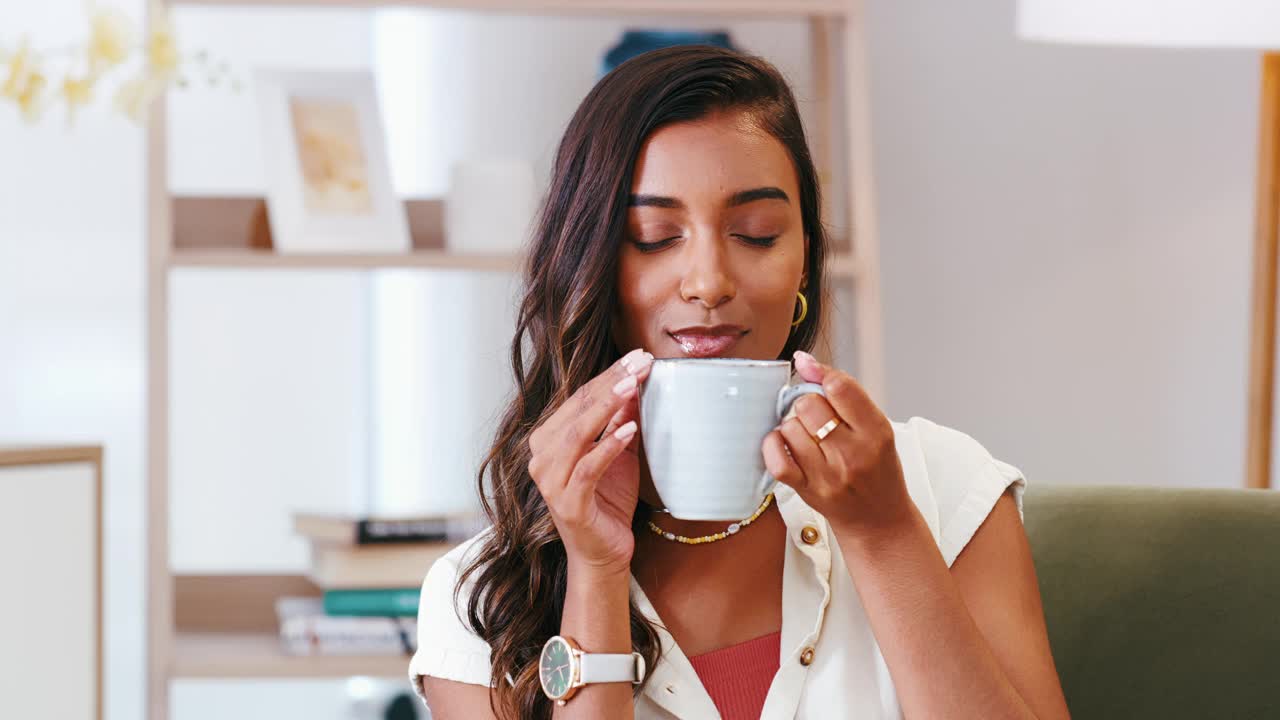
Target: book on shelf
x,y
389,602
305,629
398,565
358,530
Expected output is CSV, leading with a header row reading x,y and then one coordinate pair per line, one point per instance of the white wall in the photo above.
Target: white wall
x,y
1066,239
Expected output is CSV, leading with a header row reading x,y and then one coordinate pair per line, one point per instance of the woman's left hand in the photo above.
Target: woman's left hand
x,y
853,476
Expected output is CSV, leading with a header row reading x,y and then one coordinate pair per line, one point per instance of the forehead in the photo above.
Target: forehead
x,y
712,156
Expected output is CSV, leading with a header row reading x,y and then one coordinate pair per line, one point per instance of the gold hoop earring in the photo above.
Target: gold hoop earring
x,y
804,310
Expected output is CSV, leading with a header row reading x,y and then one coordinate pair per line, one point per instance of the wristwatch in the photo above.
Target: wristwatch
x,y
563,668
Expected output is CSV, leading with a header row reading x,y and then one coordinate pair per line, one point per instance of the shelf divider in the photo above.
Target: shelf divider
x,y
260,655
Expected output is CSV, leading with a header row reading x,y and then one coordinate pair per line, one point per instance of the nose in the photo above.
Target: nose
x,y
706,279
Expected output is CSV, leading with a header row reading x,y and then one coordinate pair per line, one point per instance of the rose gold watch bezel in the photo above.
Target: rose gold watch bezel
x,y
575,669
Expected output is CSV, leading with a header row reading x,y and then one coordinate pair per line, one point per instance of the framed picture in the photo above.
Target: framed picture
x,y
328,182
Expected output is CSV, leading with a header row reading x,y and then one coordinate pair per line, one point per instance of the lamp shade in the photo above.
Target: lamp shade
x,y
1163,23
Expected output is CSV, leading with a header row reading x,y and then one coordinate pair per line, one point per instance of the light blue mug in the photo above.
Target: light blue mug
x,y
703,421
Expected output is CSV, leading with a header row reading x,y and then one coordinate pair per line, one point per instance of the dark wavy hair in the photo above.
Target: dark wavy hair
x,y
563,337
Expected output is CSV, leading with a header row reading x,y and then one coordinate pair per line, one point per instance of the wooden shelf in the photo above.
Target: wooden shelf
x,y
789,8
259,655
244,258
49,454
226,627
840,266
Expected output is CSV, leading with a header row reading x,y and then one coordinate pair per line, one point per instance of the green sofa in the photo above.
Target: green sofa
x,y
1160,602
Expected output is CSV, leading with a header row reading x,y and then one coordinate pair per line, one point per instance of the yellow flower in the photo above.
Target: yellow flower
x,y
20,67
77,92
162,48
31,100
25,83
134,97
110,36
163,52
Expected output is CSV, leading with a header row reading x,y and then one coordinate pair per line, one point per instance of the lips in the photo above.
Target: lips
x,y
705,342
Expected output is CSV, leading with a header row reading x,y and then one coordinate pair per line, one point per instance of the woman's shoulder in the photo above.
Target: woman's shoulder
x,y
946,449
950,456
441,598
962,479
447,647
449,566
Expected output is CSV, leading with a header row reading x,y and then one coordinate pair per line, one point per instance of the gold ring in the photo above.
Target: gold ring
x,y
825,430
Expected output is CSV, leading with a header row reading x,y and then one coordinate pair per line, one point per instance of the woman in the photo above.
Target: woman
x,y
683,220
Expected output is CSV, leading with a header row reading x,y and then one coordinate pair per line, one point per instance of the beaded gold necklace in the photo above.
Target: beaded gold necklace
x,y
732,529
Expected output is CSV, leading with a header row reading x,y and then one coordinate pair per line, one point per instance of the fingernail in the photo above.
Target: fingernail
x,y
626,431
625,385
631,360
637,361
806,357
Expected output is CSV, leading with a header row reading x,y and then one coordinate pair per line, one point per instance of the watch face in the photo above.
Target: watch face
x,y
555,668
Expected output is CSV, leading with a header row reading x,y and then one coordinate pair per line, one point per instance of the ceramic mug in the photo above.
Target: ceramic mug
x,y
703,421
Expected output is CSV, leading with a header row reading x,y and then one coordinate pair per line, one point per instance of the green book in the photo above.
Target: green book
x,y
399,602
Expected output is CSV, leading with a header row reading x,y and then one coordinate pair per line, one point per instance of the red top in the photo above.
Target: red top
x,y
738,677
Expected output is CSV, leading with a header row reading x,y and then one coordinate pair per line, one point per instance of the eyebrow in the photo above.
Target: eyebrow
x,y
739,198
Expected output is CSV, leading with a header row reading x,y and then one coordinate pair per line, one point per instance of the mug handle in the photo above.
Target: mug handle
x,y
787,397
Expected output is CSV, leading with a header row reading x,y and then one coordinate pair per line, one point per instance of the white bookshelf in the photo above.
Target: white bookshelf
x,y
223,655
190,632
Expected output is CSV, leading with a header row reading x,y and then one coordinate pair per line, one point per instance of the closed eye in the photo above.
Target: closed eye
x,y
766,241
656,245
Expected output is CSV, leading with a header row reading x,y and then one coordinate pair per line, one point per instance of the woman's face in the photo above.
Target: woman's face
x,y
714,249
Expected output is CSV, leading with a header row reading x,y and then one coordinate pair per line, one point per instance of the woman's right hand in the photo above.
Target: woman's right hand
x,y
591,486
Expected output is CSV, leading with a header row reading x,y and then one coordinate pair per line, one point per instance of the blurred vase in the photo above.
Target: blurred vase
x,y
636,42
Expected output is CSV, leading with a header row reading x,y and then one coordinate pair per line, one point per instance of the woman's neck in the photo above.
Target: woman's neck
x,y
715,594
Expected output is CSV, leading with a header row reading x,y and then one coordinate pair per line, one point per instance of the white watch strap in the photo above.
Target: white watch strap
x,y
611,667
